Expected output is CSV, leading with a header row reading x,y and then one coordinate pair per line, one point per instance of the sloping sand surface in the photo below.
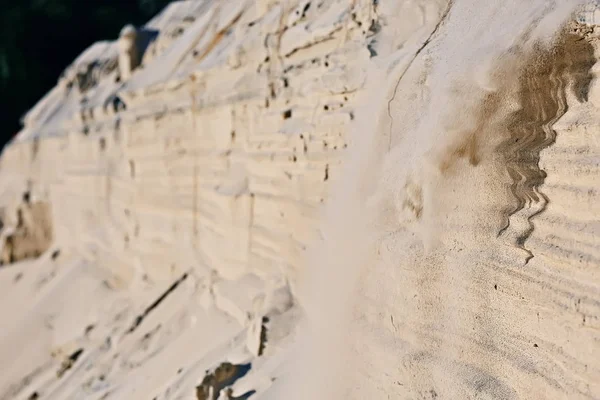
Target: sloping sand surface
x,y
300,199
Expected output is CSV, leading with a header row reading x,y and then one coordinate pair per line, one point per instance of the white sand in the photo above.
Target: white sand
x,y
341,199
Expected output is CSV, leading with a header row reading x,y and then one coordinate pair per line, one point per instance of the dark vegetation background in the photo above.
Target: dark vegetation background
x,y
40,38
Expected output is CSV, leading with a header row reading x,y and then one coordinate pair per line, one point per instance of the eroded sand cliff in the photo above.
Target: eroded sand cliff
x,y
311,200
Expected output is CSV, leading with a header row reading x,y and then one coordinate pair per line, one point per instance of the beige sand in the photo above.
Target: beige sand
x,y
311,200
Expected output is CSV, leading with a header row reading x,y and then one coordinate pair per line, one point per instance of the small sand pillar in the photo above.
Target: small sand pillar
x,y
129,57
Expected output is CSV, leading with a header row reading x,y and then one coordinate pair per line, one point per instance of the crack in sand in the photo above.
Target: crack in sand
x,y
140,318
425,43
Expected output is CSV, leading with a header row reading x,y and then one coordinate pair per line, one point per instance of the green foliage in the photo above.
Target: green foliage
x,y
40,38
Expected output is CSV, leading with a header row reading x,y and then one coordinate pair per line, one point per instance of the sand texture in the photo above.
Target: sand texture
x,y
326,199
